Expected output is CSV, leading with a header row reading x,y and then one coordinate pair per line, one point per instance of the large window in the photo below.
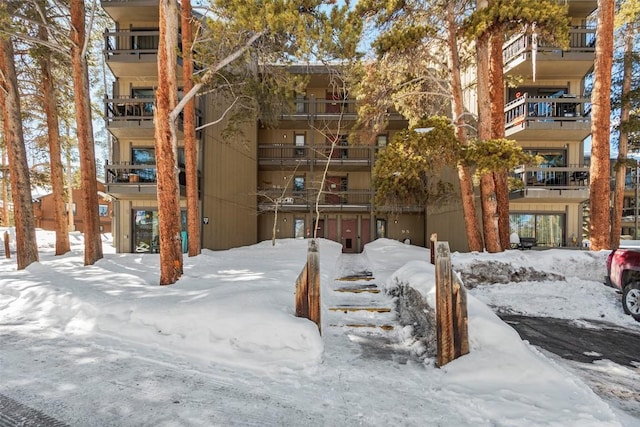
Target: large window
x,y
147,156
551,158
146,231
547,229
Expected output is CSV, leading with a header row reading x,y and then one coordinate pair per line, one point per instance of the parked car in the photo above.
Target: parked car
x,y
623,273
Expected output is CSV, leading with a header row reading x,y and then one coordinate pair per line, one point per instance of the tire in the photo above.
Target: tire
x,y
631,300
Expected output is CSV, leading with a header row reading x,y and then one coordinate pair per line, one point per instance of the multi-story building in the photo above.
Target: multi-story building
x,y
302,178
549,115
289,170
227,167
280,181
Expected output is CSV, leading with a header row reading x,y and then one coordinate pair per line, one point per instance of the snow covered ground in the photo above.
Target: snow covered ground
x,y
104,345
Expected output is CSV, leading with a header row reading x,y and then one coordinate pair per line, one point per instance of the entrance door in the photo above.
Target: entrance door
x,y
320,228
349,236
332,230
365,232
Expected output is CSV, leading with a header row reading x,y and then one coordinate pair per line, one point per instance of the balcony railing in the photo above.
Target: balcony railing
x,y
562,177
567,108
581,39
124,109
342,154
131,43
136,174
306,199
127,108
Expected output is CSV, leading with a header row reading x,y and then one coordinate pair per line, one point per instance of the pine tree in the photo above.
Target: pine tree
x,y
599,190
86,146
27,248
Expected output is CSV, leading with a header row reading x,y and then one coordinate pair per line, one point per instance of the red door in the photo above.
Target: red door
x,y
332,230
365,232
349,236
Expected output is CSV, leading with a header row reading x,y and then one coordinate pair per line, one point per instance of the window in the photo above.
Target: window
x,y
299,228
547,229
298,183
299,140
301,106
552,158
103,210
73,207
381,140
146,231
146,108
381,228
147,156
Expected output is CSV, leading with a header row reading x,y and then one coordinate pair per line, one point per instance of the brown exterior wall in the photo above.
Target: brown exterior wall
x,y
43,210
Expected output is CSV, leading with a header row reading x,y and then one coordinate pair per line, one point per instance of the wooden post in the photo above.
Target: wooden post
x,y
7,252
451,309
444,313
308,287
434,239
313,274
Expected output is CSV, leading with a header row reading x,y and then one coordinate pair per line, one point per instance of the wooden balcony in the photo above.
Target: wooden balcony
x,y
133,53
548,118
133,117
315,109
566,184
304,201
276,156
551,61
125,180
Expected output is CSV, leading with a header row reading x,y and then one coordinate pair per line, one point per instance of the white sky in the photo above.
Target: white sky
x,y
104,345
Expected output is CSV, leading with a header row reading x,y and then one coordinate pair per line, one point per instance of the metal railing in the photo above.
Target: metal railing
x,y
360,153
581,39
130,173
547,109
560,177
306,199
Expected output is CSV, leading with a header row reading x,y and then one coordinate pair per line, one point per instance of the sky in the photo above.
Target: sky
x,y
105,345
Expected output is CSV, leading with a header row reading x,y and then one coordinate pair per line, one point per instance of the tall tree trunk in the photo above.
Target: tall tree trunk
x,y
26,245
82,100
50,102
487,187
496,92
70,214
474,236
166,147
5,185
599,191
190,143
623,141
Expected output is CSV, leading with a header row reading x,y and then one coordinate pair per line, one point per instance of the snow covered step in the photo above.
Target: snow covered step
x,y
362,288
348,308
384,326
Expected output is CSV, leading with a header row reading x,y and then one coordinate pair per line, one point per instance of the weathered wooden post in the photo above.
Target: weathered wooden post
x,y
433,239
451,309
308,287
7,252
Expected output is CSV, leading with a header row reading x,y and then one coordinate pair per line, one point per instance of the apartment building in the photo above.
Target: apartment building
x,y
549,116
227,166
304,178
313,181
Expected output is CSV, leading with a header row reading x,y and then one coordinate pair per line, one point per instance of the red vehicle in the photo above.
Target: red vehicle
x,y
623,273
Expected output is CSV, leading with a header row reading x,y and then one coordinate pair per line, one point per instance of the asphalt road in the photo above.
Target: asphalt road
x,y
570,341
592,351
